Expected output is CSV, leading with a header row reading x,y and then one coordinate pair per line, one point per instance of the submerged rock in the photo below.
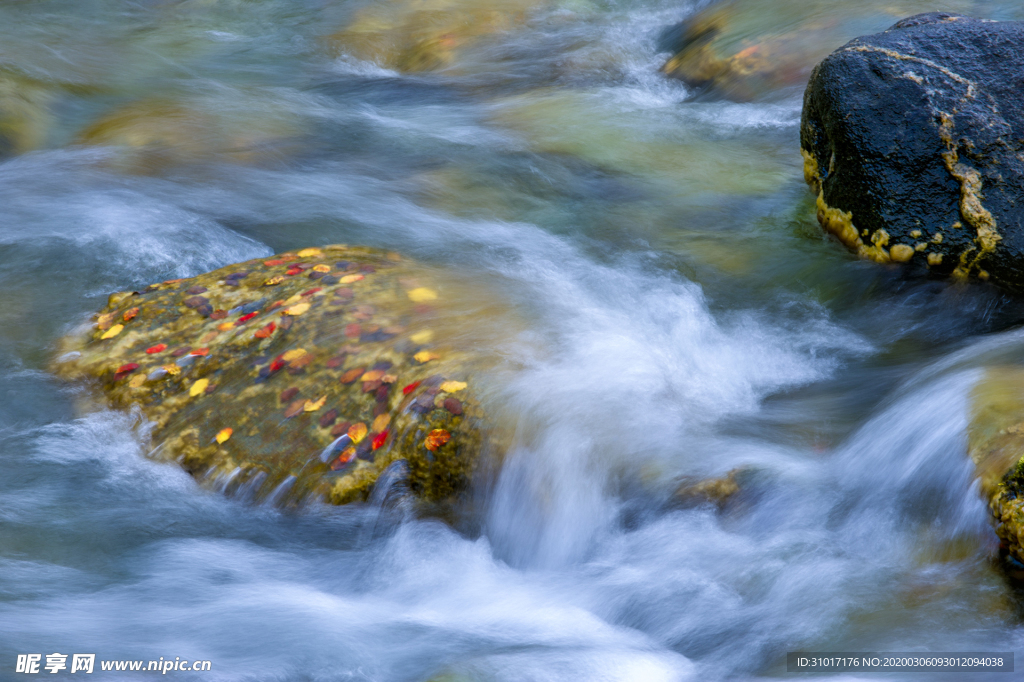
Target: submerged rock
x,y
743,50
912,140
424,35
307,374
996,445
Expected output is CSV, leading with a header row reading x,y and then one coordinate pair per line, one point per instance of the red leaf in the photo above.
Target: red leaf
x,y
127,369
265,332
158,348
410,388
311,291
245,318
379,439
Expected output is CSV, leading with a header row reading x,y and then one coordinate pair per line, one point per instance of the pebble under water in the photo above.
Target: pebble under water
x,y
643,265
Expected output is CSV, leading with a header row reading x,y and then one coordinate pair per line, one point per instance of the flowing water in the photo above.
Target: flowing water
x,y
647,271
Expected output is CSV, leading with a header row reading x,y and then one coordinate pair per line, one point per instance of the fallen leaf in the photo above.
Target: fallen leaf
x,y
128,368
322,268
422,295
381,422
353,374
113,331
357,432
436,439
292,271
309,253
137,381
348,279
198,387
295,408
425,356
353,330
289,393
173,370
103,322
224,434
312,291
453,405
272,263
421,337
293,354
379,439
297,309
372,375
218,314
245,318
314,405
389,378
328,418
200,351
276,279
277,364
453,386
410,388
226,326
130,314
344,458
265,332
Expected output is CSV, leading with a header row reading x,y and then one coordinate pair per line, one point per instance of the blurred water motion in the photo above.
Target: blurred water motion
x,y
641,260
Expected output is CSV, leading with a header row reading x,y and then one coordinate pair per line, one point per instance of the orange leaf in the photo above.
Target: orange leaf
x,y
343,459
130,313
158,348
224,434
353,374
436,439
372,375
357,432
381,422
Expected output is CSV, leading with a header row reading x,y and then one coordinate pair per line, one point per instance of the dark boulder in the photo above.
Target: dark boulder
x,y
913,139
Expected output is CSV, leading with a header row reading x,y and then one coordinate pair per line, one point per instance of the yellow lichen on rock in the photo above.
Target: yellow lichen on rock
x,y
996,445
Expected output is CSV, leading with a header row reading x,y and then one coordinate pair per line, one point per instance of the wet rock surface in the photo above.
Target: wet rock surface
x,y
912,141
304,375
996,445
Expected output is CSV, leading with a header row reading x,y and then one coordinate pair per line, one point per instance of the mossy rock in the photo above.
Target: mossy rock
x,y
25,116
996,445
425,35
303,375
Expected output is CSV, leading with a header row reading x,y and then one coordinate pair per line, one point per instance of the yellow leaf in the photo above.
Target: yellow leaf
x,y
321,268
293,354
425,356
198,387
137,381
173,370
453,386
291,300
104,321
225,326
297,309
308,253
422,337
372,375
224,434
113,331
422,295
381,422
348,279
276,279
389,378
357,432
313,406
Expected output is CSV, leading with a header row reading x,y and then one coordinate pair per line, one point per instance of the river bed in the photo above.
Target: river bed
x,y
642,262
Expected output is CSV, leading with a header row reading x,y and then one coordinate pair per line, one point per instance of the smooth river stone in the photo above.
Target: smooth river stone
x,y
273,376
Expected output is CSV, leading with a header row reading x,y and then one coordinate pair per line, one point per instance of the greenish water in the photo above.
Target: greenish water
x,y
677,314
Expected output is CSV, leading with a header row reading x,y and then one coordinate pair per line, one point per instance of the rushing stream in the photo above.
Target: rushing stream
x,y
642,262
